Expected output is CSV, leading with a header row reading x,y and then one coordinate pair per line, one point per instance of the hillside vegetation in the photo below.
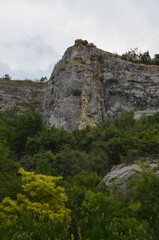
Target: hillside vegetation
x,y
37,204
133,55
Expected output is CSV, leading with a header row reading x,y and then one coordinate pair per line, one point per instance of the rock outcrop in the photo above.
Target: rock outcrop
x,y
75,97
119,175
19,93
88,85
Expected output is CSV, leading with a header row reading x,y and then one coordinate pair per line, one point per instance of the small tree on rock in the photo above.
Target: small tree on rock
x,y
6,76
156,59
145,57
43,79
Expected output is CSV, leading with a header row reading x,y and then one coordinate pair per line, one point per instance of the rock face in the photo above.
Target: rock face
x,y
74,97
19,93
119,175
88,85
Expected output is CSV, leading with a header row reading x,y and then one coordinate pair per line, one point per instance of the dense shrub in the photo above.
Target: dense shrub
x,y
82,157
38,213
138,57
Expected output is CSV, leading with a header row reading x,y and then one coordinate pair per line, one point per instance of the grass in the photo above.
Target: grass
x,y
22,83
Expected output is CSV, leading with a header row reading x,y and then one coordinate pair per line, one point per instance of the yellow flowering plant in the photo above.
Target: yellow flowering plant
x,y
38,212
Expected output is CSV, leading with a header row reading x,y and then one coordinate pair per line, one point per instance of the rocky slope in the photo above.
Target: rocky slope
x,y
19,93
88,85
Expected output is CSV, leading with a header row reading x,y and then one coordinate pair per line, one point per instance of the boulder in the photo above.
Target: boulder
x,y
119,175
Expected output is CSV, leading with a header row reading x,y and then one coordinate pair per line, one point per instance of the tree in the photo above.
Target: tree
x,y
125,120
43,79
26,125
156,59
38,213
6,76
135,56
131,55
9,181
145,57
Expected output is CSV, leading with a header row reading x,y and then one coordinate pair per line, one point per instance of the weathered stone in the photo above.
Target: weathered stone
x,y
80,41
119,175
88,85
74,97
19,93
91,45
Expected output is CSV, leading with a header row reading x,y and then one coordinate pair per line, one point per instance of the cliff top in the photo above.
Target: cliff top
x,y
22,83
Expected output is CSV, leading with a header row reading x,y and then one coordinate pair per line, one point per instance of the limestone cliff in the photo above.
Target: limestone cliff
x,y
19,93
89,84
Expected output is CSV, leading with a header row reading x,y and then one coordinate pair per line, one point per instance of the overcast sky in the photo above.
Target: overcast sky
x,y
34,34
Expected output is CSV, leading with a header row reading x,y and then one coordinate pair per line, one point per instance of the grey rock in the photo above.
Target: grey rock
x,y
19,93
74,97
89,85
119,175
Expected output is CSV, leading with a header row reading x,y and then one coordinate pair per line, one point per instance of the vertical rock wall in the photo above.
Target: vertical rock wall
x,y
74,97
89,84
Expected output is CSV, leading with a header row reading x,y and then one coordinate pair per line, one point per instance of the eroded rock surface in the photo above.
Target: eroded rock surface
x,y
119,175
74,97
88,85
19,93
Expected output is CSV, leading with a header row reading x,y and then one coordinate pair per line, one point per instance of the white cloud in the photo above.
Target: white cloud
x,y
35,32
28,53
36,74
4,69
30,56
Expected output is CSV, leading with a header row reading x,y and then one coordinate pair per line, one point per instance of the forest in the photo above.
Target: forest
x,y
51,179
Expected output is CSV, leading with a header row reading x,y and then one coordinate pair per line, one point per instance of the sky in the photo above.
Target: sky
x,y
35,33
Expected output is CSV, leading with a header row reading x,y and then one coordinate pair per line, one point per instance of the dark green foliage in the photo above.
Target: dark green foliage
x,y
83,157
132,55
66,163
9,181
40,163
7,124
145,58
138,57
17,126
43,79
49,139
148,121
150,141
90,149
101,59
85,42
104,215
125,120
156,59
7,76
146,191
